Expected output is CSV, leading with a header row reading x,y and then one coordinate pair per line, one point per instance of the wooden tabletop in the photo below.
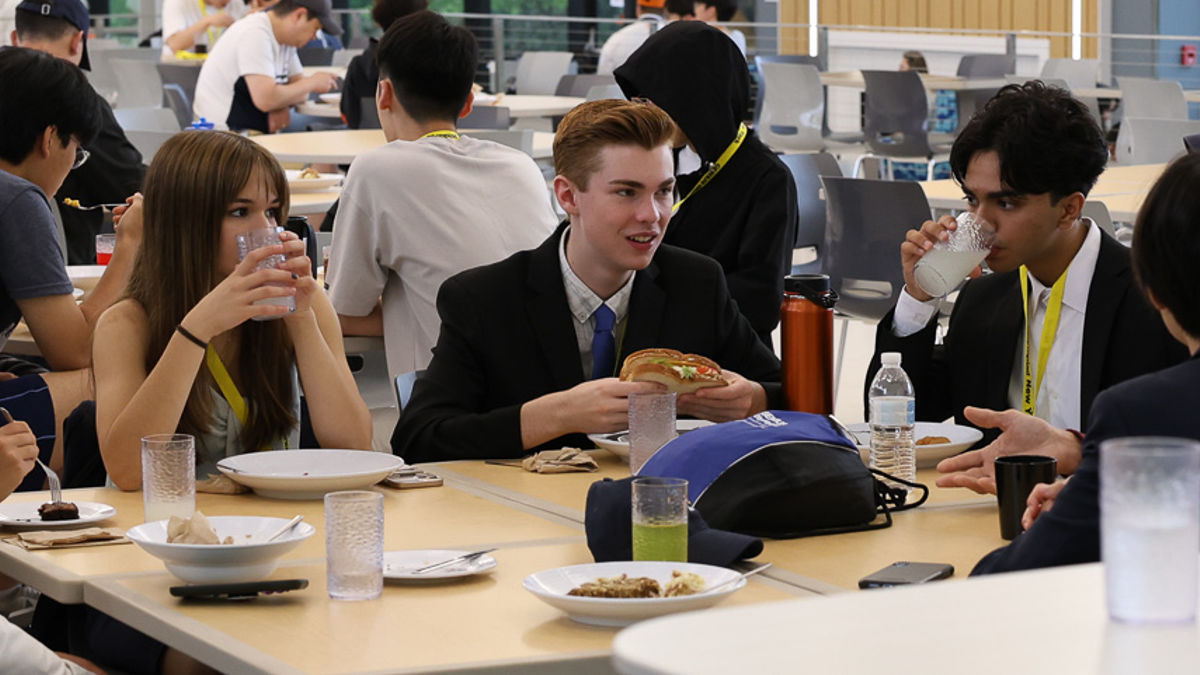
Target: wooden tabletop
x,y
341,146
854,79
519,105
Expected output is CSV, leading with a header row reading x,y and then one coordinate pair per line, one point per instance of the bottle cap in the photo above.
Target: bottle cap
x,y
814,287
890,358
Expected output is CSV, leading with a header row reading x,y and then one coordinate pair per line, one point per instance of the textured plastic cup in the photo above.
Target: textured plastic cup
x,y
1016,476
105,245
944,266
660,520
651,426
354,544
1150,528
255,239
168,476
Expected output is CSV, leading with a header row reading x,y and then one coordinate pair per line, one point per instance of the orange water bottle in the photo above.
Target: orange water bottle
x,y
807,342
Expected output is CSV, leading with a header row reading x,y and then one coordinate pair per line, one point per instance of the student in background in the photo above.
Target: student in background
x,y
362,75
194,25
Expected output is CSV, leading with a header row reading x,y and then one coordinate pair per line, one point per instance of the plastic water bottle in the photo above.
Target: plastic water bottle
x,y
893,411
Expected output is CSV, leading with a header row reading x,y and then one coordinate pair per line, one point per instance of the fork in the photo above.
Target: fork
x,y
93,207
469,557
51,477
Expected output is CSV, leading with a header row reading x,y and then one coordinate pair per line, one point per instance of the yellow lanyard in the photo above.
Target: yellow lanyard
x,y
453,135
716,166
225,383
1029,391
212,39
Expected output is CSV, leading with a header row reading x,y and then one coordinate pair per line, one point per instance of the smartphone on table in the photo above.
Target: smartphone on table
x,y
903,573
237,591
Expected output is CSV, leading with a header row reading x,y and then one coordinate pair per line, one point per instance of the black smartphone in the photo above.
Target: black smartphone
x,y
903,573
237,591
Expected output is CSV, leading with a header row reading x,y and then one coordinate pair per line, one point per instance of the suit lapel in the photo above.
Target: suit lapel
x,y
646,307
550,316
1004,335
1110,283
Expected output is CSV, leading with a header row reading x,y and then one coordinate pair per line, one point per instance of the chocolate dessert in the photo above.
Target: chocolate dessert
x,y
58,511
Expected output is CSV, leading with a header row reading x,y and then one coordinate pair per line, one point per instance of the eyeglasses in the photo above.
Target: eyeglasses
x,y
81,156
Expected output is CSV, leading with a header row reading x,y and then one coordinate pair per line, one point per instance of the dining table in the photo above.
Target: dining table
x,y
519,105
341,146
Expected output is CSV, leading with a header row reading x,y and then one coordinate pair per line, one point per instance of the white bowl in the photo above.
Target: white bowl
x,y
552,587
248,558
308,474
961,438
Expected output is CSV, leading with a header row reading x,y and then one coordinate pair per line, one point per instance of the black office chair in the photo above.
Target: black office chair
x,y
316,56
807,170
895,119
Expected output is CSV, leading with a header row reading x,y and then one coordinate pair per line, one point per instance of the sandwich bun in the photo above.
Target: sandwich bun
x,y
678,372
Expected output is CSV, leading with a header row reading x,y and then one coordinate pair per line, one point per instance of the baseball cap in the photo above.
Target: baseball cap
x,y
72,11
323,10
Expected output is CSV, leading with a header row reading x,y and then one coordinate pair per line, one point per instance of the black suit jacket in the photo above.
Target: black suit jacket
x,y
507,338
1159,404
1123,337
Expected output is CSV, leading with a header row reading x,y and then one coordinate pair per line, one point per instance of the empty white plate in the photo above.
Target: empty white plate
x,y
401,564
308,474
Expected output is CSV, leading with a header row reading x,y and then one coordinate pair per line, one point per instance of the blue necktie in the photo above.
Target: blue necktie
x,y
604,345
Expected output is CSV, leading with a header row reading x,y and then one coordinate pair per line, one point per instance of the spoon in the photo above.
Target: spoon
x,y
734,580
286,528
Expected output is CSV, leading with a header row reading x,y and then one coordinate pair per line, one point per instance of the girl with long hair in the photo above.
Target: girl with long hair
x,y
180,353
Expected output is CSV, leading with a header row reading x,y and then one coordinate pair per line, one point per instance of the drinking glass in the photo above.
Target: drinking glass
x,y
1150,528
651,425
1016,476
168,476
945,265
255,239
354,544
660,519
105,245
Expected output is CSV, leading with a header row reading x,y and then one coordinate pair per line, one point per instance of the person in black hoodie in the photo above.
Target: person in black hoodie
x,y
362,75
745,215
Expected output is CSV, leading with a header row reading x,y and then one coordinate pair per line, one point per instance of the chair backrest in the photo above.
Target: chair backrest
x,y
342,57
148,141
1192,142
539,72
781,58
177,102
1099,214
605,91
579,85
895,115
521,139
183,74
1147,140
486,117
866,222
986,65
807,170
793,106
368,115
300,226
1146,97
404,387
138,83
315,56
147,119
1078,73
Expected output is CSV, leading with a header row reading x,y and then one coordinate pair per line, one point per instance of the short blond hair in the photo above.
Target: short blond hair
x,y
592,126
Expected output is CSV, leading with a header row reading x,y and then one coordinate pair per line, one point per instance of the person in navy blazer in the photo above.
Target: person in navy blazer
x,y
1166,246
510,371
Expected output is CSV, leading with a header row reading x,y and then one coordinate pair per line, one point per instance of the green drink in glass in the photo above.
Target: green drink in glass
x,y
660,530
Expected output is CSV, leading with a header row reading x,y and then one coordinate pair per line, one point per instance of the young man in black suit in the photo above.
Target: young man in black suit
x,y
1166,244
519,363
1026,162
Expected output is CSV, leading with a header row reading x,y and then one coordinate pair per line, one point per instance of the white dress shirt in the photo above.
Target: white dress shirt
x,y
1058,400
583,302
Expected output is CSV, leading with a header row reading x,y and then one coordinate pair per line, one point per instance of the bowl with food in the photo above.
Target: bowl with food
x,y
220,549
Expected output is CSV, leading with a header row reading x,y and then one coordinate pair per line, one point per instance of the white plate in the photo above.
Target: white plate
x,y
928,456
298,184
400,565
308,474
551,586
248,558
24,515
618,443
332,99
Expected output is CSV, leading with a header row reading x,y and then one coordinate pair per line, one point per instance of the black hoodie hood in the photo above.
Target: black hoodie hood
x,y
698,76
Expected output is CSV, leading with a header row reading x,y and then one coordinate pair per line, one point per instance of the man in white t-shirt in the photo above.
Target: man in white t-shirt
x,y
189,24
253,76
619,45
430,203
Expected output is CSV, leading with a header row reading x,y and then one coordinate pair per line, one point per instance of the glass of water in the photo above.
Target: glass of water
x,y
255,239
354,544
944,266
168,476
1150,528
651,425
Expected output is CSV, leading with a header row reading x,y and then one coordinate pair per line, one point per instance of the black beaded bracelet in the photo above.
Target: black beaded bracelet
x,y
188,334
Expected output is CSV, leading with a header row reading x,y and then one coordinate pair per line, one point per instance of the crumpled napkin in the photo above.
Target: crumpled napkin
x,y
88,536
559,461
219,483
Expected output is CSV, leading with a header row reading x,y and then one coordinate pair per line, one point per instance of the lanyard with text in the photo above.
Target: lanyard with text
x,y
1030,389
716,166
452,135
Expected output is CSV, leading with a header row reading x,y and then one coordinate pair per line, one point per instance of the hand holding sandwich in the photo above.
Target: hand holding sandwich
x,y
740,399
